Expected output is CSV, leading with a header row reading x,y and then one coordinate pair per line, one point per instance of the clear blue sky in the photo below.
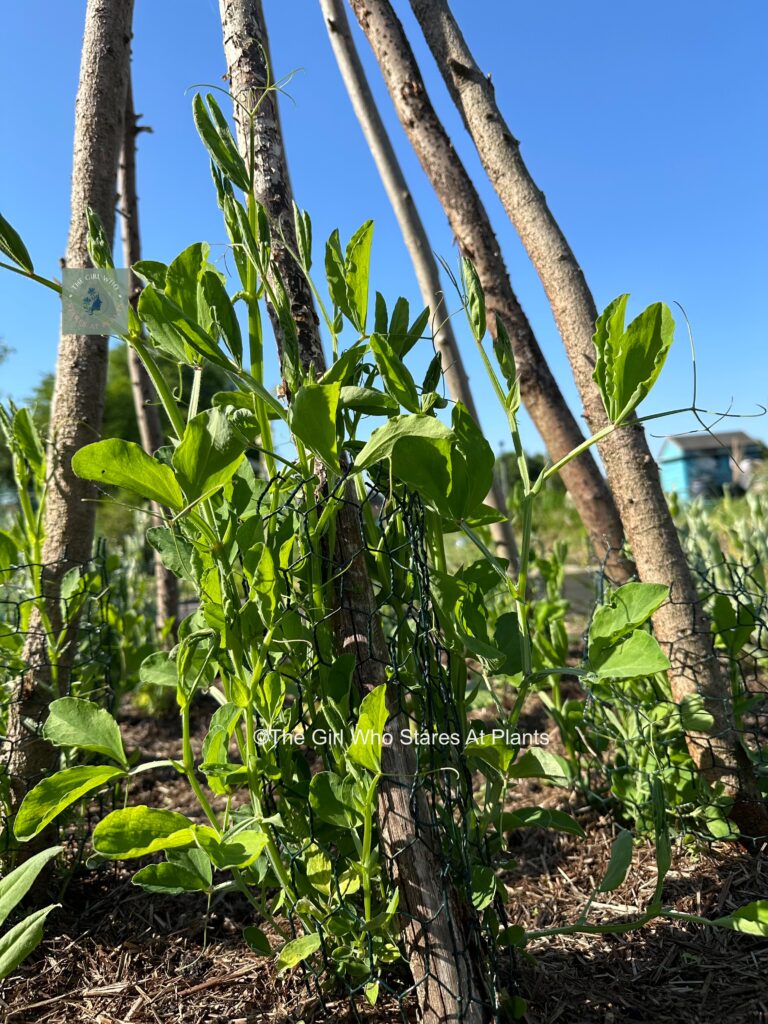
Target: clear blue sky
x,y
644,124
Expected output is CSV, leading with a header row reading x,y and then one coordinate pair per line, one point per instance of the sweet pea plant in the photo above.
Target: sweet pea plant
x,y
293,757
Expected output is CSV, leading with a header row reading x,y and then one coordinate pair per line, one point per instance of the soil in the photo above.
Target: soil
x,y
112,953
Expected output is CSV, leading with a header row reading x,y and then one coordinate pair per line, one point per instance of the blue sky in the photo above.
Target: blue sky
x,y
644,124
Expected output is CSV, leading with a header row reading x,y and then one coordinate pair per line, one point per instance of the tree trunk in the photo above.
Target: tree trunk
x,y
437,950
81,371
472,228
415,238
144,395
680,625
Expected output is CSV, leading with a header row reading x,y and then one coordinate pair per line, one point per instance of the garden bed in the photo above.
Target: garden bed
x,y
112,953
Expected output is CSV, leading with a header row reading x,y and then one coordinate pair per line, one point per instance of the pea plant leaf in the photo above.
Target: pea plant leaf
x,y
136,831
626,609
73,722
178,335
12,246
629,361
57,792
217,138
209,454
169,878
297,950
357,266
618,865
335,800
125,464
418,449
474,298
16,884
220,314
365,748
635,656
395,374
313,420
750,920
17,943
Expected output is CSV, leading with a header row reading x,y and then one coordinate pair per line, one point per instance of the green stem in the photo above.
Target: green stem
x,y
160,384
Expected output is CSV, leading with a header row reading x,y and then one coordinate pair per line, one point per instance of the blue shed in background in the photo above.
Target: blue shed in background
x,y
694,465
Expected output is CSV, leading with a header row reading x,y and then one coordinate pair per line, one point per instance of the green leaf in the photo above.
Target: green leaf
x,y
151,272
12,246
618,865
209,454
159,670
169,878
79,723
694,716
506,638
472,462
175,551
638,655
213,297
629,361
544,817
491,750
368,400
366,745
125,464
257,940
345,367
505,357
538,763
303,227
297,950
750,920
27,436
18,943
475,299
54,794
483,887
394,373
313,421
8,550
239,850
217,139
183,276
17,883
386,438
357,265
732,626
136,831
627,608
177,334
335,274
335,801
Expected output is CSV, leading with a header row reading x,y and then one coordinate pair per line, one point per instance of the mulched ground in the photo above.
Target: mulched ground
x,y
113,953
